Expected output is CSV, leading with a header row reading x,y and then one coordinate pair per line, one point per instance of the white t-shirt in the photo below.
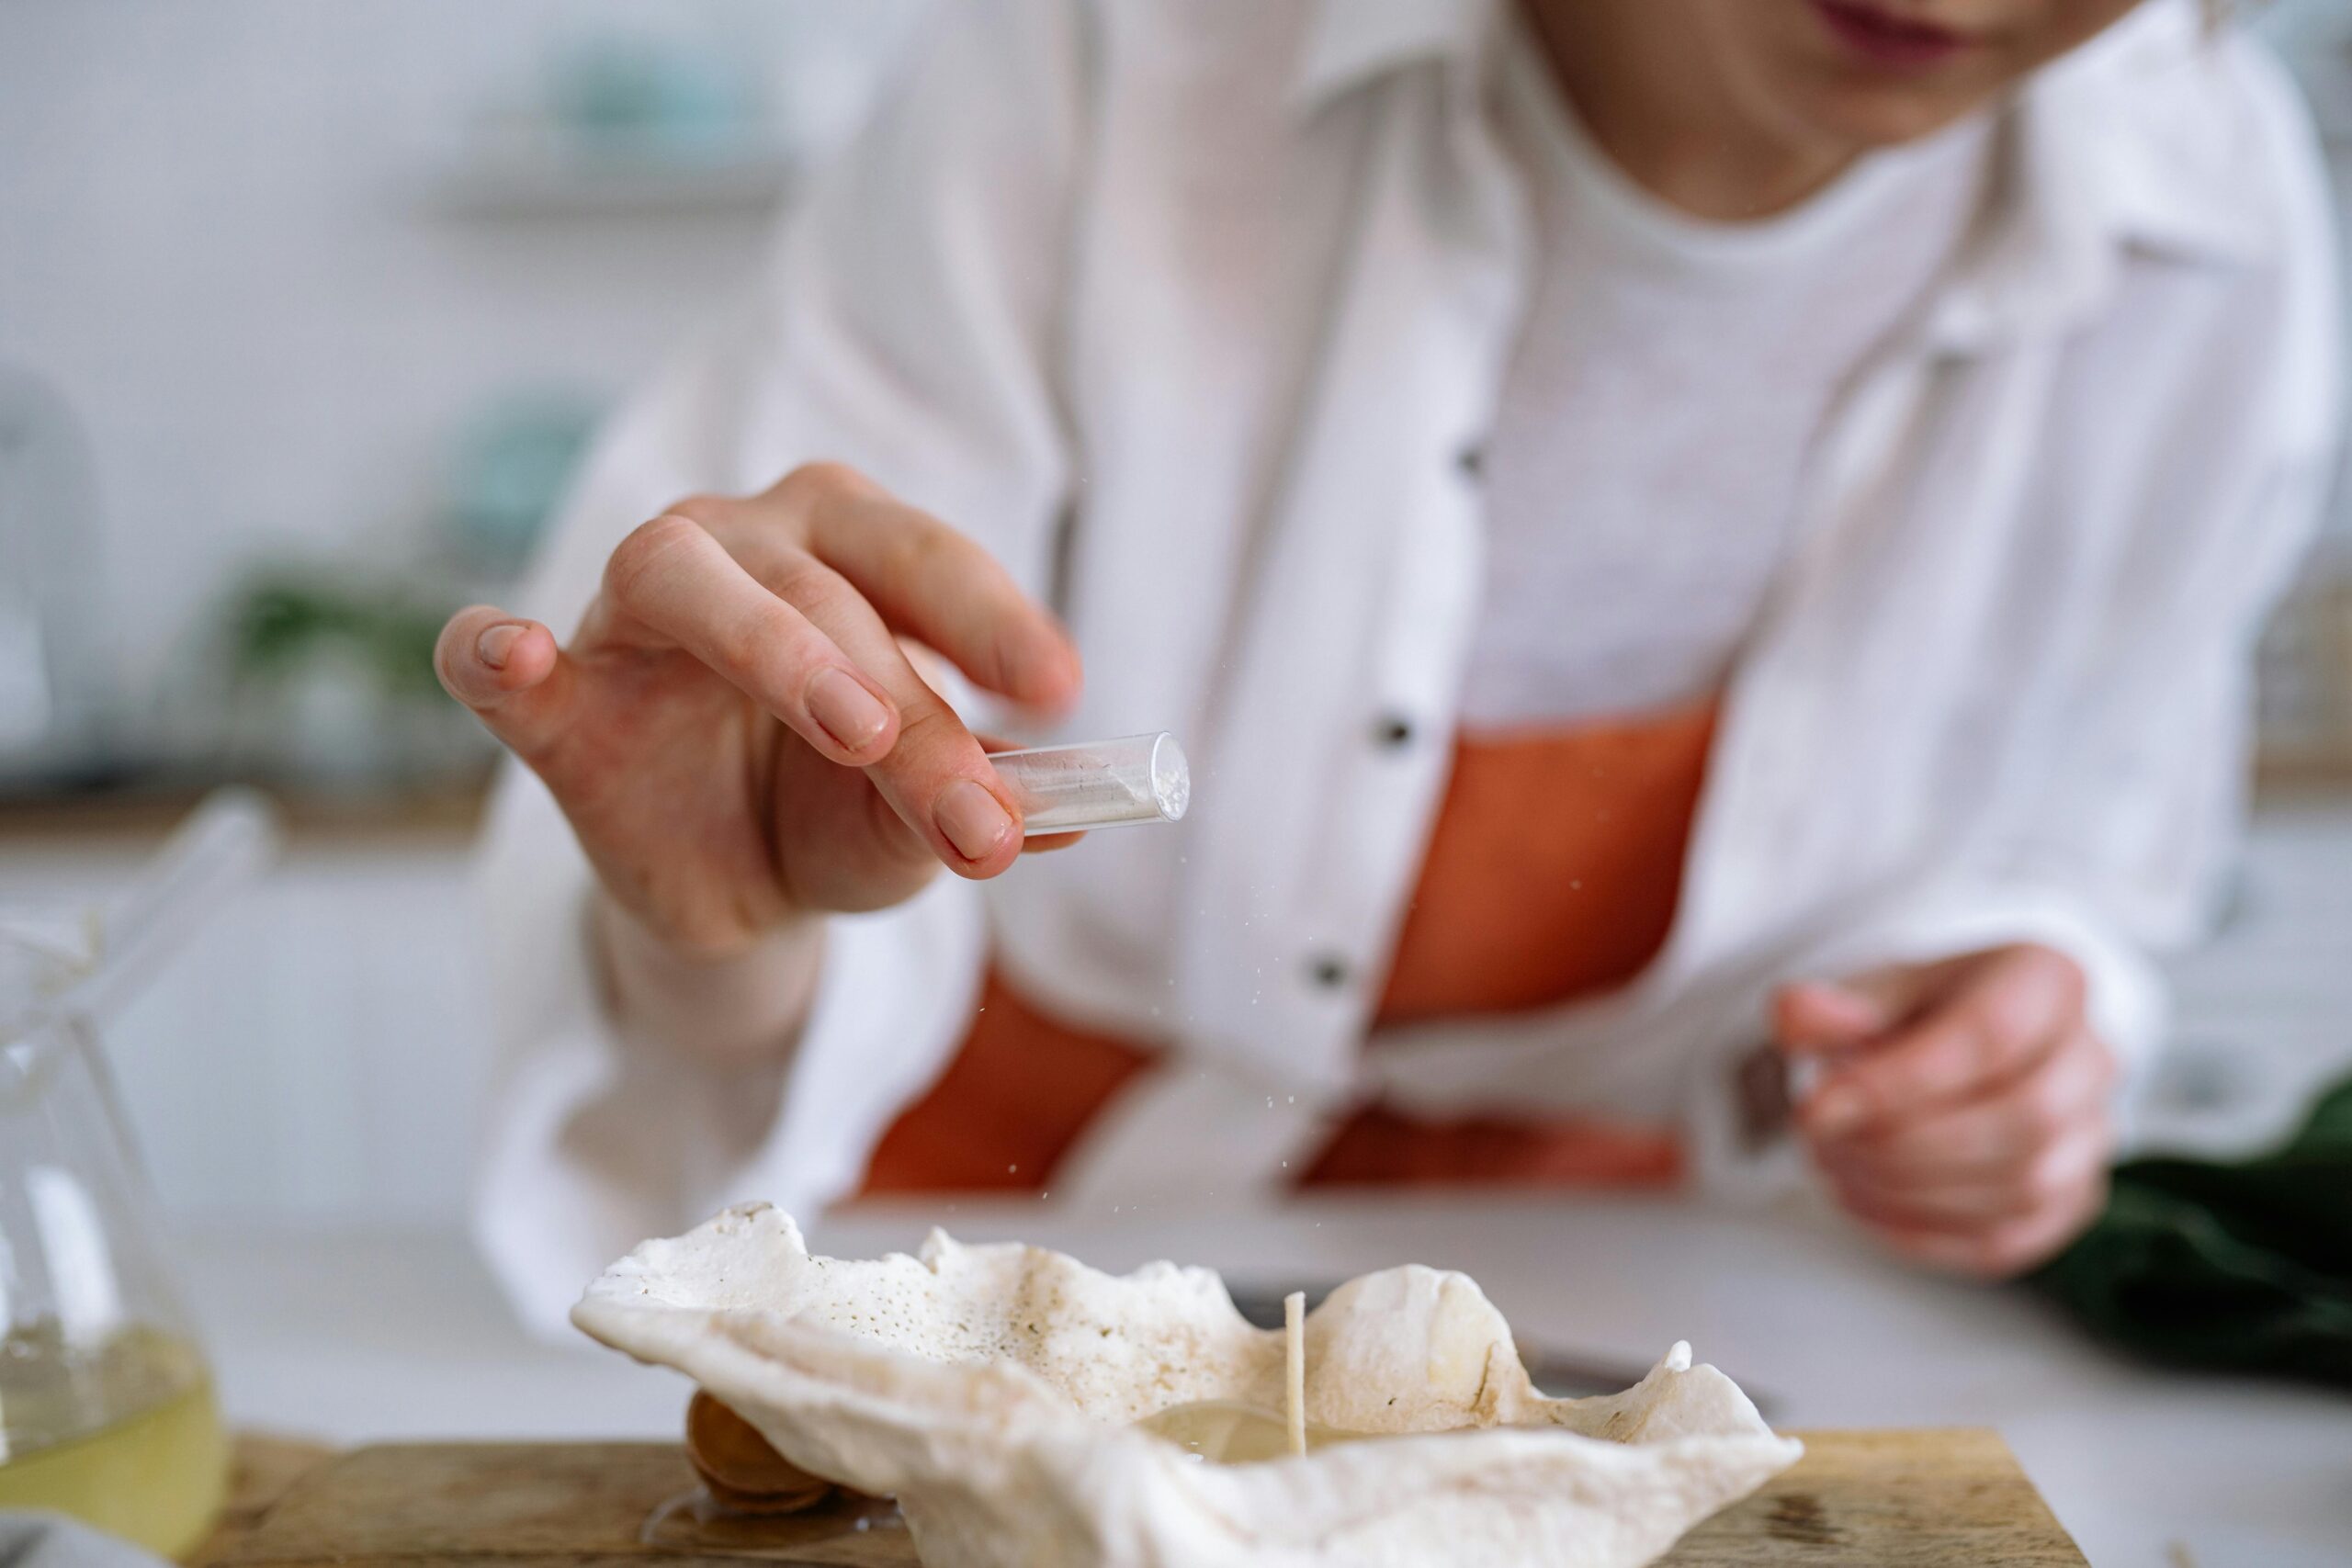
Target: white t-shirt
x,y
1640,494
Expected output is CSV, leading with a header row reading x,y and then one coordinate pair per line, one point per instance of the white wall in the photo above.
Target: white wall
x,y
212,236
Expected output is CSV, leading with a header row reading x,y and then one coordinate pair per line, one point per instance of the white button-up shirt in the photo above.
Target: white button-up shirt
x,y
1191,312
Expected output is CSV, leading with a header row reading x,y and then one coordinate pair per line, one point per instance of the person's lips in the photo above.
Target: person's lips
x,y
1889,38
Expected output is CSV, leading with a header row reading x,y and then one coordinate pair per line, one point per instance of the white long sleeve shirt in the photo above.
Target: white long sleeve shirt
x,y
1190,312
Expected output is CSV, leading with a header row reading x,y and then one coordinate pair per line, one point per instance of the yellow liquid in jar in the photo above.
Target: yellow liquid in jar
x,y
127,1437
1224,1431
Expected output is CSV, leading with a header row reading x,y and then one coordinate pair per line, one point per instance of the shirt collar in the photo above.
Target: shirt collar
x,y
1348,42
2130,142
2129,145
2160,113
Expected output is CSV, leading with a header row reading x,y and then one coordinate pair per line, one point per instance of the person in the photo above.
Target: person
x,y
1666,529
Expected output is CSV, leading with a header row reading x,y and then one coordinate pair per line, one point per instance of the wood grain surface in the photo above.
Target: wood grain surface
x,y
263,1468
1930,1499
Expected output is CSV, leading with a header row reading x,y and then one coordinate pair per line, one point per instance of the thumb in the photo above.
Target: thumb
x,y
511,675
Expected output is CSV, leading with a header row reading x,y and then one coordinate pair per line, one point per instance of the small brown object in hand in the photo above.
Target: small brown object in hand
x,y
741,1471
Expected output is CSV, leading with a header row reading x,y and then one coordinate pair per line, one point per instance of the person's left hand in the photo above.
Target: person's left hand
x,y
1962,1112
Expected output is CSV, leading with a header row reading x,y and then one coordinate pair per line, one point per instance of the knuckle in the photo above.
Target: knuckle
x,y
929,722
915,550
802,579
811,484
637,558
768,642
705,507
903,553
929,730
930,540
734,646
933,546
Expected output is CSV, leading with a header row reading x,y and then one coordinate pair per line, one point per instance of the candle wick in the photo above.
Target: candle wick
x,y
1295,1369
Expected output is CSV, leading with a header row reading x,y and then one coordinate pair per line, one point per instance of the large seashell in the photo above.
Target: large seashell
x,y
993,1390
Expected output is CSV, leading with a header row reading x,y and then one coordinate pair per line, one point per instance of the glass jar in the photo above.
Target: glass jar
x,y
107,1405
107,1411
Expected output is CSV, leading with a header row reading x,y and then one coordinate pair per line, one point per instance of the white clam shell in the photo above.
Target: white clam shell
x,y
992,1390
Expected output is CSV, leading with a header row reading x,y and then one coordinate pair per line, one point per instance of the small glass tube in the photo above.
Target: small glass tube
x,y
1098,784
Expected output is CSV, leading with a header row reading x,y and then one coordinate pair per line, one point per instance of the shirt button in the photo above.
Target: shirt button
x,y
1394,731
1472,460
1330,971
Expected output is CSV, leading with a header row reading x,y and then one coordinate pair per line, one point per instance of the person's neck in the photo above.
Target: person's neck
x,y
1664,113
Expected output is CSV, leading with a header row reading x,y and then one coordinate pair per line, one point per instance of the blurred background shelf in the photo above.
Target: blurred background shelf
x,y
141,813
527,186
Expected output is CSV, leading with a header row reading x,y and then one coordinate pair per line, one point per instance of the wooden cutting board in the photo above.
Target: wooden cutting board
x,y
1927,1499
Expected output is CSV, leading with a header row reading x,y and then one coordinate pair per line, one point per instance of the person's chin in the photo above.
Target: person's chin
x,y
1869,115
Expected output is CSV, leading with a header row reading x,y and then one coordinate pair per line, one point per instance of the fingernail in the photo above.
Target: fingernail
x,y
851,714
1836,1110
497,643
971,819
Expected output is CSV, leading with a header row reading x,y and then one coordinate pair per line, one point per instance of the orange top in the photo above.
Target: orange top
x,y
1551,873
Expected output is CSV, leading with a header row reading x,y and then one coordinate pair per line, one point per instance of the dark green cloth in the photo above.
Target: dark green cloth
x,y
2244,1267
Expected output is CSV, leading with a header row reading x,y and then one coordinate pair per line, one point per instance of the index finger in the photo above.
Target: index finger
x,y
934,774
2000,1020
674,578
939,585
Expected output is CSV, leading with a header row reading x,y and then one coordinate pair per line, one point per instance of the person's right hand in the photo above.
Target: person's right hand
x,y
734,731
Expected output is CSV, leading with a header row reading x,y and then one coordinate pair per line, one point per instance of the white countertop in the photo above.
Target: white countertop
x,y
355,1339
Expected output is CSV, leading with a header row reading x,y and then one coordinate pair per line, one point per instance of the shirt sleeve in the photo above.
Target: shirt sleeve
x,y
2117,845
2131,834
2120,850
906,323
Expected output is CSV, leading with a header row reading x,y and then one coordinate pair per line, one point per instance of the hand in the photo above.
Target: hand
x,y
734,731
1963,1111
